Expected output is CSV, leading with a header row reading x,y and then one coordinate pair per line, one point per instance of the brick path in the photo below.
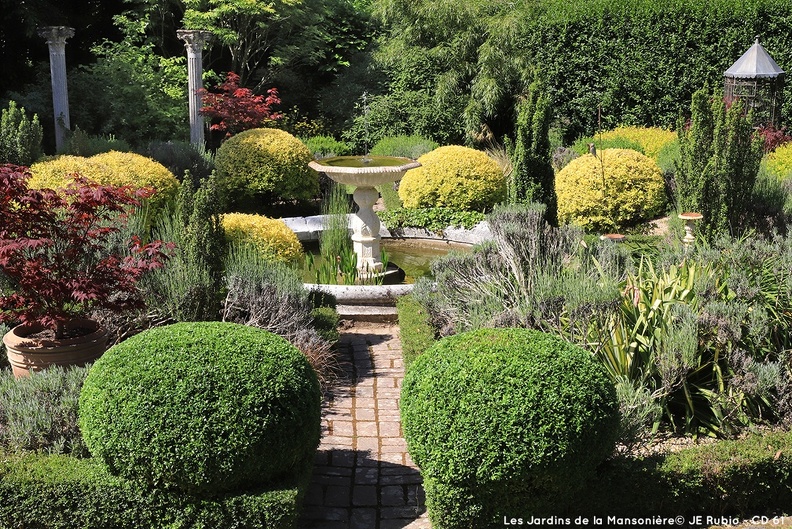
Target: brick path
x,y
363,477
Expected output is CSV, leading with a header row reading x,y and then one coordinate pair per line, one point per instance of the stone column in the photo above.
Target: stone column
x,y
56,40
194,41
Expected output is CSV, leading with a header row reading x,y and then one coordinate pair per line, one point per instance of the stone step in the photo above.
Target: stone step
x,y
369,313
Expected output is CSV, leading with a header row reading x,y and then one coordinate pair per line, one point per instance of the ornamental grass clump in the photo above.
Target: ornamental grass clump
x,y
454,177
613,190
207,407
505,421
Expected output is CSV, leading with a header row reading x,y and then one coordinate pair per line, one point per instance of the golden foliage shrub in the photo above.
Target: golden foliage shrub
x,y
633,190
779,162
109,168
269,236
454,177
266,161
651,139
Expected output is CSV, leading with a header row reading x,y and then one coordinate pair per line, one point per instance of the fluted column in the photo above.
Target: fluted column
x,y
194,41
56,40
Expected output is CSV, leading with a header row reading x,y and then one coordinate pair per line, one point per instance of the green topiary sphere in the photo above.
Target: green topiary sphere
x,y
634,190
202,407
266,161
454,177
505,418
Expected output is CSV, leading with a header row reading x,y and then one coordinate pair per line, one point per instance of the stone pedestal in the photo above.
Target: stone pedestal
x,y
56,40
365,231
194,42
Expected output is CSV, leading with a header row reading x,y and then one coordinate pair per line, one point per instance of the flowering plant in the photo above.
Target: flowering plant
x,y
55,248
237,108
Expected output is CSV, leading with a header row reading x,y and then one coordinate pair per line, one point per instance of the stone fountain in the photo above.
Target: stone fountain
x,y
364,173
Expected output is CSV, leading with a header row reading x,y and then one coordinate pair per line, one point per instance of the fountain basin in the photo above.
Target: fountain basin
x,y
364,171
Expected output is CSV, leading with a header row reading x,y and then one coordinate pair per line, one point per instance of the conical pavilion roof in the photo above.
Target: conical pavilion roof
x,y
755,63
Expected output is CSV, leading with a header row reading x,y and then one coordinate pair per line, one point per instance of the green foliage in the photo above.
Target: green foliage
x,y
532,176
80,143
607,62
20,137
325,321
432,219
646,140
180,156
611,191
188,287
403,146
131,91
327,147
202,408
39,412
496,419
415,331
719,161
779,162
265,161
454,177
64,492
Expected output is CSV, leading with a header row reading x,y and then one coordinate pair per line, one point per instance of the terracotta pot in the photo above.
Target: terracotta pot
x,y
30,354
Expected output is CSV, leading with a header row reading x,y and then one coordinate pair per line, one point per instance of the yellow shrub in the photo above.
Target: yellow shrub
x,y
651,139
266,161
270,236
454,177
633,190
110,168
54,173
779,162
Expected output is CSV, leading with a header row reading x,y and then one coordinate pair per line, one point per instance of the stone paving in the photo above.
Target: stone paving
x,y
363,477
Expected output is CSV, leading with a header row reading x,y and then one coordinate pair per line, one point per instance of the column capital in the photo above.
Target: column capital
x,y
56,34
194,39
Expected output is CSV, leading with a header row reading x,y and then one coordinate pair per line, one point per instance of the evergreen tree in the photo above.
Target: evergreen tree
x,y
20,137
532,177
718,164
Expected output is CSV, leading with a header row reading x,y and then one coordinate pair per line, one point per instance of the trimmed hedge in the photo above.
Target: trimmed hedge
x,y
733,477
496,419
454,177
271,237
634,190
202,407
265,161
415,331
62,492
110,168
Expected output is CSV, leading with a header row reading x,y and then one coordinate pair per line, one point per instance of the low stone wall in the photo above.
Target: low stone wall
x,y
309,229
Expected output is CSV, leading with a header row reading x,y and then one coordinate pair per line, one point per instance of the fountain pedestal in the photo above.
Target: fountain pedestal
x,y
364,173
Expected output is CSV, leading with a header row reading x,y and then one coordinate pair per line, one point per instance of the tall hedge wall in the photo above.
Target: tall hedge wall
x,y
639,61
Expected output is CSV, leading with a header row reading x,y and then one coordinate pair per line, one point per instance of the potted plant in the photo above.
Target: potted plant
x,y
56,252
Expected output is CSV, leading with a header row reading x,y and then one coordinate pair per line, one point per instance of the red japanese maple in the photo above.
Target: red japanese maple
x,y
238,109
55,248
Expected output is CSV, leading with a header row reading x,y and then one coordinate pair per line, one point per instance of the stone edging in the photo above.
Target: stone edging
x,y
309,229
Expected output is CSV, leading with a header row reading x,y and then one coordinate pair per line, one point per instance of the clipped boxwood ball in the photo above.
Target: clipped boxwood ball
x,y
634,190
454,177
202,408
266,161
496,411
